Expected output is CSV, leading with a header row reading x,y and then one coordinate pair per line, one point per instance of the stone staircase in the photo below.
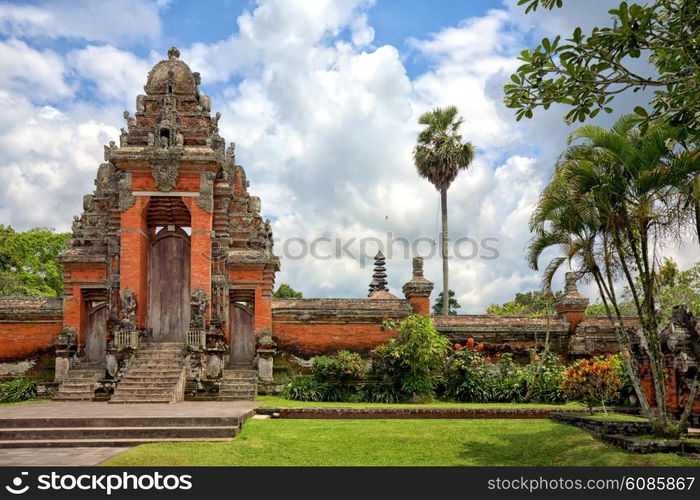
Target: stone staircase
x,y
156,374
80,384
239,383
64,432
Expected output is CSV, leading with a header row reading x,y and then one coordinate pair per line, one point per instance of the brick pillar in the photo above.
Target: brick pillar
x,y
200,241
133,262
418,290
572,306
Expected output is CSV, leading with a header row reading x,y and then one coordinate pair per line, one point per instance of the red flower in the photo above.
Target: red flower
x,y
458,347
470,343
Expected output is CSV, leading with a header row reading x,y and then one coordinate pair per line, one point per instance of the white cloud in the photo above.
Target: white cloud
x,y
36,74
124,21
325,123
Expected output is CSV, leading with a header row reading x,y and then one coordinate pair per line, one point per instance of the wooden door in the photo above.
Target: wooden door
x,y
96,333
242,334
168,316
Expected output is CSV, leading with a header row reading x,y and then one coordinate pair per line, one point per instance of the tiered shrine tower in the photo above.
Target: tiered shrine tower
x,y
170,240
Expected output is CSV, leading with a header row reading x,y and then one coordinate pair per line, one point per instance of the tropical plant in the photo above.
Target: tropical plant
x,y
586,72
439,156
302,388
338,376
20,389
408,364
439,308
533,304
607,208
593,381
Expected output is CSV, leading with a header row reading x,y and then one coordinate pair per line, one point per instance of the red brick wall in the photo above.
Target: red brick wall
x,y
28,325
133,263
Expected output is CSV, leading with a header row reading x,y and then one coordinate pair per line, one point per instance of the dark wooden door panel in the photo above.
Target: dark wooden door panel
x,y
96,331
242,334
169,287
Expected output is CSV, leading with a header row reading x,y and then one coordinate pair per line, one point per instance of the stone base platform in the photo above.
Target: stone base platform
x,y
90,424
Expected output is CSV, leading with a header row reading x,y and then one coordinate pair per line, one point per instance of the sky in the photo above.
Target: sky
x,y
322,99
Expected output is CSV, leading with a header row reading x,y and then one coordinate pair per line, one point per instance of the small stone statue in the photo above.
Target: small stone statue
x,y
179,139
173,53
151,139
231,152
197,78
128,308
215,122
130,120
254,205
199,304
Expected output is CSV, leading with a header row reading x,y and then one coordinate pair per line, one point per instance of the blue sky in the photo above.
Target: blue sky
x,y
322,99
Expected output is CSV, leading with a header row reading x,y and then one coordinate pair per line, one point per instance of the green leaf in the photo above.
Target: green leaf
x,y
641,111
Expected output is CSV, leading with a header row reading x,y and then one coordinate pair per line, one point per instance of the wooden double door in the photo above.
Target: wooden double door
x,y
168,315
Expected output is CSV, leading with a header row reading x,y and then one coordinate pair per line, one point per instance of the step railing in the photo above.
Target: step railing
x,y
197,339
126,339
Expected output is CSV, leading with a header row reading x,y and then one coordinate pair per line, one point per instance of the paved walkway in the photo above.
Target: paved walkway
x,y
56,457
86,456
90,409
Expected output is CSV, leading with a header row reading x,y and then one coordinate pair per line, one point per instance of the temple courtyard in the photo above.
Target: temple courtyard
x,y
265,441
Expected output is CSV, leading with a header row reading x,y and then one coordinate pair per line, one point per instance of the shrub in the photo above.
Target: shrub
x,y
470,376
338,376
408,364
21,389
302,388
547,386
593,381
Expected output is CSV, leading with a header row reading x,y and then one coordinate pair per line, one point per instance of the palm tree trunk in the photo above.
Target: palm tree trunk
x,y
443,251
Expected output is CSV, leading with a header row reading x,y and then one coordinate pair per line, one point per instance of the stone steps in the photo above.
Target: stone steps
x,y
239,385
47,432
155,375
80,384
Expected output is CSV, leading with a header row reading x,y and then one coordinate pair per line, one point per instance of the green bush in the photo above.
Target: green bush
x,y
472,377
21,389
408,364
302,388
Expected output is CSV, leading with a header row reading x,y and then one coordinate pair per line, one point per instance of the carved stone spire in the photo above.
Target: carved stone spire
x,y
379,282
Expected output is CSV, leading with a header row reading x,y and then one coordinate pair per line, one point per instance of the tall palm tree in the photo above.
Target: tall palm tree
x,y
439,156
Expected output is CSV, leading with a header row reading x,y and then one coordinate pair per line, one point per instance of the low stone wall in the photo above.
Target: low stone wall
x,y
310,327
409,413
602,427
637,445
28,327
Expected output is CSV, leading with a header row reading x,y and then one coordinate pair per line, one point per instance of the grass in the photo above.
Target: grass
x,y
281,442
279,402
615,417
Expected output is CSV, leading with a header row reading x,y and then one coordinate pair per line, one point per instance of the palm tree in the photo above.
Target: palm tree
x,y
613,197
439,156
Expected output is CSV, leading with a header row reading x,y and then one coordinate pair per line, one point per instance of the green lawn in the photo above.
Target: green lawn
x,y
615,417
282,442
278,402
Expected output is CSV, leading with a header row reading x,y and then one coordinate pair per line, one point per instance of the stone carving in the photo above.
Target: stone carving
x,y
128,309
254,205
570,280
231,153
165,168
205,200
130,120
173,53
417,266
199,304
126,198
